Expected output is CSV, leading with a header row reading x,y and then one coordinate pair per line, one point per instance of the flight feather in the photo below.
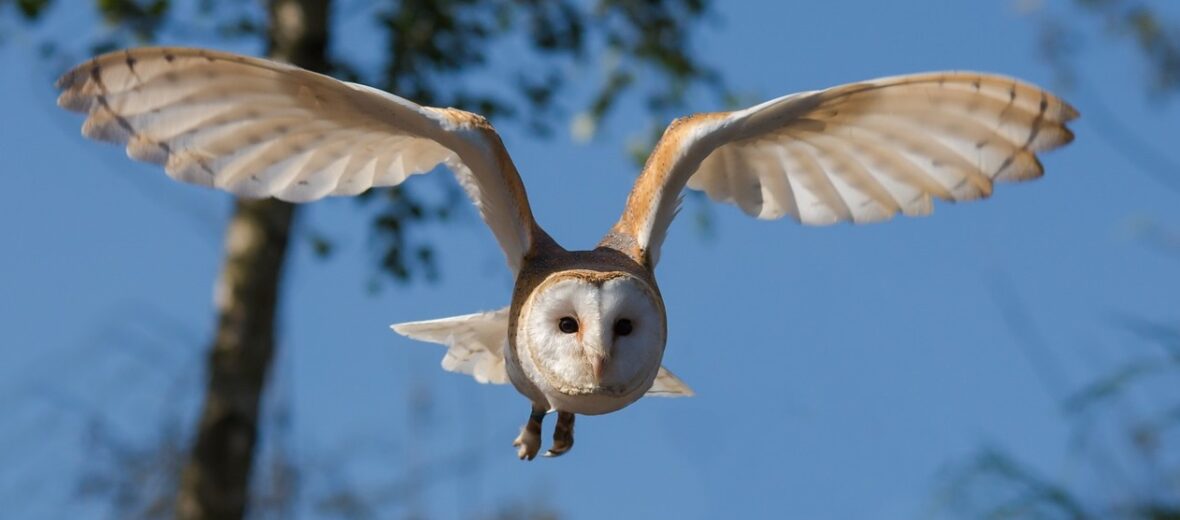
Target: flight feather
x,y
860,153
259,128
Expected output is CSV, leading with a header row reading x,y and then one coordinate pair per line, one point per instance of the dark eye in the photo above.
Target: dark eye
x,y
567,325
623,327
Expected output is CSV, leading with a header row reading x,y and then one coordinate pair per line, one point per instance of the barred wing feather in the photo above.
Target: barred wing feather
x,y
258,128
859,153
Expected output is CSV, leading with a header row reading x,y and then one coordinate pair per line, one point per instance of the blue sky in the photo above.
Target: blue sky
x,y
839,371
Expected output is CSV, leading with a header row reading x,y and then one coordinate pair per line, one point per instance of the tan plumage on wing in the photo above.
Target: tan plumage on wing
x,y
258,128
861,152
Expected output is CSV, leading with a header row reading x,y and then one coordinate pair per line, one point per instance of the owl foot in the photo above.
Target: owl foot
x,y
528,443
563,435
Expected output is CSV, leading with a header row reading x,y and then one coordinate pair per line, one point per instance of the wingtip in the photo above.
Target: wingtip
x,y
67,80
1067,136
70,102
1069,112
73,87
69,98
408,330
401,329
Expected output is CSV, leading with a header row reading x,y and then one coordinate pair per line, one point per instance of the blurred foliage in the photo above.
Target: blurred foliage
x,y
141,18
996,486
399,211
1158,237
1138,22
1068,32
149,366
1129,452
1125,446
1158,39
441,53
1124,451
29,9
134,478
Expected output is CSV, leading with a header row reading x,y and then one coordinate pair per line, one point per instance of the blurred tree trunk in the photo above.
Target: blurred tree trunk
x,y
215,480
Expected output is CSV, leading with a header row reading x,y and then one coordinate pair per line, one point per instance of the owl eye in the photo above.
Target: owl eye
x,y
567,325
623,327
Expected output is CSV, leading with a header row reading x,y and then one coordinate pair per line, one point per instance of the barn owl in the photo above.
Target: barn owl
x,y
584,332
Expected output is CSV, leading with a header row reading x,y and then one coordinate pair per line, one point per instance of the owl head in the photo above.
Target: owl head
x,y
592,332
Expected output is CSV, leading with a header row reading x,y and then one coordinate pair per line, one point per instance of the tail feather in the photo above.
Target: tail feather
x,y
668,385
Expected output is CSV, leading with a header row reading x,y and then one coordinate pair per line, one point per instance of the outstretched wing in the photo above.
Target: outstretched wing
x,y
861,152
258,128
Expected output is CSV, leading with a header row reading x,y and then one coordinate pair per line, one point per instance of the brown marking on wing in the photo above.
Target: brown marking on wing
x,y
651,189
973,98
465,118
511,178
121,93
509,175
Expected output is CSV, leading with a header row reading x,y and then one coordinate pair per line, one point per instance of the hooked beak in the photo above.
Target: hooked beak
x,y
597,363
598,358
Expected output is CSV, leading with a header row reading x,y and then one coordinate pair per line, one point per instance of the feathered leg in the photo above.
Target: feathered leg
x,y
528,443
563,435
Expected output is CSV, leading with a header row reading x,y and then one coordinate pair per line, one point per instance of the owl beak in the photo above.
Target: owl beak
x,y
599,354
597,363
598,358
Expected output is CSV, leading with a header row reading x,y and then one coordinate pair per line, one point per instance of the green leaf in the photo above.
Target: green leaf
x,y
32,9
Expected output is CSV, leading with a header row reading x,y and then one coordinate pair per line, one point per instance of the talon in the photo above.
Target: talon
x,y
527,444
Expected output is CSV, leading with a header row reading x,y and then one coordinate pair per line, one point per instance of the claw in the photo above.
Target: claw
x,y
527,444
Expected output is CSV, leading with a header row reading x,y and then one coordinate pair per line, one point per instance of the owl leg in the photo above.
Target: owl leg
x,y
563,435
528,443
